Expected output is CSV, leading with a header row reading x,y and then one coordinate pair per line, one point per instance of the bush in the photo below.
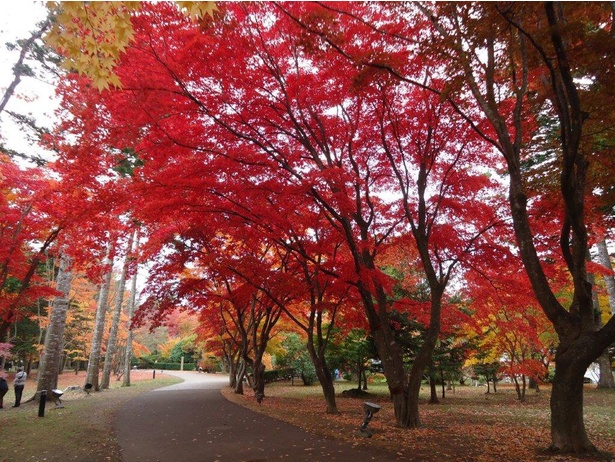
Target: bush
x,y
308,378
376,378
278,374
171,366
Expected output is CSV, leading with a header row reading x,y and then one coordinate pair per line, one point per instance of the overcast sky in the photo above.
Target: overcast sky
x,y
33,97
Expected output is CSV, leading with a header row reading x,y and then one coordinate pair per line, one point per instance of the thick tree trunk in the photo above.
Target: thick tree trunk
x,y
54,338
423,360
115,322
568,432
388,352
99,328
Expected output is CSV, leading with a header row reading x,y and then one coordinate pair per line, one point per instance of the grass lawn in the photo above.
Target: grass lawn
x,y
81,431
467,425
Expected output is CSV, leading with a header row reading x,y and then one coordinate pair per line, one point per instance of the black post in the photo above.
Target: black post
x,y
41,403
154,376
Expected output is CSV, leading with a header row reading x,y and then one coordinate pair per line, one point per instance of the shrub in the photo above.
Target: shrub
x,y
376,378
278,374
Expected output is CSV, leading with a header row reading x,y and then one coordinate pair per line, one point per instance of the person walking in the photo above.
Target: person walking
x,y
18,385
4,388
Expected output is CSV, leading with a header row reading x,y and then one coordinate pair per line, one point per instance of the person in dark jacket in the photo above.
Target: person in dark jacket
x,y
4,388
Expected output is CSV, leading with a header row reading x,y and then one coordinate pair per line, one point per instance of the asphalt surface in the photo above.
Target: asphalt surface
x,y
193,422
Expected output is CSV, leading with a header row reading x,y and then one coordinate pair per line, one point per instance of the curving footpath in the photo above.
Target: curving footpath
x,y
193,422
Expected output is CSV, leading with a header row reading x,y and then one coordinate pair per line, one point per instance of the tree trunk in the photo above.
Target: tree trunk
x,y
444,387
567,427
433,392
99,327
609,280
232,376
520,388
606,379
259,381
324,377
131,309
233,369
388,352
517,387
241,373
115,322
54,338
423,359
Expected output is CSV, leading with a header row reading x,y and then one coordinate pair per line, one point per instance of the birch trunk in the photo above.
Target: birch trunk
x,y
606,379
54,337
115,322
131,309
99,327
609,281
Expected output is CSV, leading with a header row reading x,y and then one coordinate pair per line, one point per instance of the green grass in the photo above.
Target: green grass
x,y
82,430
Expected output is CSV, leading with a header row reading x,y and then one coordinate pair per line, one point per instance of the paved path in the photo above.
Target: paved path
x,y
193,422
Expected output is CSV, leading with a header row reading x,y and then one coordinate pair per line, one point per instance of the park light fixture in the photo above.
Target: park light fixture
x,y
370,409
57,395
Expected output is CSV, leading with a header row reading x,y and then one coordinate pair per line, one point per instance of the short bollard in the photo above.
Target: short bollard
x,y
370,409
41,403
154,375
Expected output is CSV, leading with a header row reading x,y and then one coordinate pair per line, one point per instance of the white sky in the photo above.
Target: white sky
x,y
32,97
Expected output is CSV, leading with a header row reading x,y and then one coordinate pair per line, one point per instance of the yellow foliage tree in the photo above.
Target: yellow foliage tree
x,y
92,35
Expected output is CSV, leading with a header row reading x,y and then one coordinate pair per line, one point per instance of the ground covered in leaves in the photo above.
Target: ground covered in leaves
x,y
467,425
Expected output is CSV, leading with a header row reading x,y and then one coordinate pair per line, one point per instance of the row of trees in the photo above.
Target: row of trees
x,y
340,166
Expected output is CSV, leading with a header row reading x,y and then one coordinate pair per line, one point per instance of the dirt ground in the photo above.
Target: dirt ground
x,y
469,425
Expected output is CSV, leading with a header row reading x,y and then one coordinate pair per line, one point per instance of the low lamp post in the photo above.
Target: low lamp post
x,y
370,409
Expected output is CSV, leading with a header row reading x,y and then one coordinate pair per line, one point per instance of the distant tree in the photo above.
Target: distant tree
x,y
449,357
297,358
352,352
488,370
